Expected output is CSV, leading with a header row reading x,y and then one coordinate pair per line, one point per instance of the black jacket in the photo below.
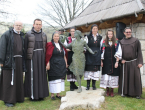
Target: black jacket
x,y
93,59
109,62
6,50
30,43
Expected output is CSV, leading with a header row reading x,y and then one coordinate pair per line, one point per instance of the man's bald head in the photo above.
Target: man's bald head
x,y
18,26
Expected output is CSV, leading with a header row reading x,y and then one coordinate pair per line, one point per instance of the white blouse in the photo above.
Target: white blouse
x,y
65,42
58,46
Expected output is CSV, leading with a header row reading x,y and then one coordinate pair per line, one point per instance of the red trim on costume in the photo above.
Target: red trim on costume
x,y
49,51
69,40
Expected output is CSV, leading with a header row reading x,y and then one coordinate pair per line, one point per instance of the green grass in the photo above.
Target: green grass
x,y
111,103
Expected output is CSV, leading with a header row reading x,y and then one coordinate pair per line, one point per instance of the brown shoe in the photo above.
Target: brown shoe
x,y
107,91
112,93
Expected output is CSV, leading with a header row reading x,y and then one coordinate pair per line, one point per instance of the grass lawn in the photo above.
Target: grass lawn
x,y
111,103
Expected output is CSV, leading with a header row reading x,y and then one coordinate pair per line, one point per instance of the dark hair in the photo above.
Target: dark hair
x,y
107,39
127,28
56,32
69,34
37,20
62,30
52,41
73,28
94,25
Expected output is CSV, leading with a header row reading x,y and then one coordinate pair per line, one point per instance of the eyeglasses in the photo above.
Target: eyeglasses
x,y
128,32
18,25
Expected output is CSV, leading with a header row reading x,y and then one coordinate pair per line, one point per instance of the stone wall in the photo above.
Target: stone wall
x,y
138,31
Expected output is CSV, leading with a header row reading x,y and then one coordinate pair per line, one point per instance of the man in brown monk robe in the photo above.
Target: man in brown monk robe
x,y
35,85
12,64
130,78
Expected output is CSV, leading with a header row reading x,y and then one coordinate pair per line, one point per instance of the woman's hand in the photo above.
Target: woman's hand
x,y
67,66
48,66
101,63
123,61
65,61
68,50
116,65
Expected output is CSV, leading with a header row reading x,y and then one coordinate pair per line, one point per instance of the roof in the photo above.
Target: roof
x,y
101,10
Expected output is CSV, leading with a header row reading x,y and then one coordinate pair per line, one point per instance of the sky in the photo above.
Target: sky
x,y
23,9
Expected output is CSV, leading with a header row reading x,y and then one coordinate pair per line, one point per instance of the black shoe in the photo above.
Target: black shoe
x,y
71,89
137,97
53,98
9,104
87,88
94,88
74,86
58,97
71,86
88,85
94,84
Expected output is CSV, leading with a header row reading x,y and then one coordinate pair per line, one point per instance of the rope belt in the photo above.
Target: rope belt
x,y
17,56
32,96
32,80
37,49
12,82
123,75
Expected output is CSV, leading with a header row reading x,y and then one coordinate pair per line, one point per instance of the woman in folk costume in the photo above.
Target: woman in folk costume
x,y
70,76
111,54
56,65
93,62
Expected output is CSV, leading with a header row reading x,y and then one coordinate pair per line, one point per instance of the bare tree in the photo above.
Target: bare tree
x,y
61,12
4,14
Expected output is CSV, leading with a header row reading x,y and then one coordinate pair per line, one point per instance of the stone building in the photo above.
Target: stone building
x,y
106,13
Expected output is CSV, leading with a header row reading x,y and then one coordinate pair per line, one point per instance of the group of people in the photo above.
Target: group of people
x,y
18,55
120,61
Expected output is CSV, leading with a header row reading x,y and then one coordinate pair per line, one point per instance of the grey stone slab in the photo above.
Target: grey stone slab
x,y
91,99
